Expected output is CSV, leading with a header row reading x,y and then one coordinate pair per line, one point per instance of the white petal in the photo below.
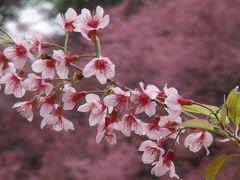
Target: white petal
x,y
150,109
92,98
39,66
69,105
104,22
147,143
67,125
60,20
110,100
70,15
89,70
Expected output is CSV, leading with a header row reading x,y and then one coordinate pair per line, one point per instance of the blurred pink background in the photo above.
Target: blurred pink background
x,y
190,44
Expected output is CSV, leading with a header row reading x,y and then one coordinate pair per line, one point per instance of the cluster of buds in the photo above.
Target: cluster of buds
x,y
117,110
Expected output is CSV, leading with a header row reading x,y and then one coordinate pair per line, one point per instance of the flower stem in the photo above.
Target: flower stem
x,y
66,41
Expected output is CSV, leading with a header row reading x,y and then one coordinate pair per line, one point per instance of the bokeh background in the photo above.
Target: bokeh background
x,y
190,44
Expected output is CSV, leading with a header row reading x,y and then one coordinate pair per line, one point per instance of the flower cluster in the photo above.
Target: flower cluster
x,y
117,110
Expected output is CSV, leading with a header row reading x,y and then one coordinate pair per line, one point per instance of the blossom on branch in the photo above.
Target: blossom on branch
x,y
18,53
46,67
57,121
68,20
197,140
144,100
88,23
14,83
151,151
70,97
36,83
25,109
95,105
164,166
102,67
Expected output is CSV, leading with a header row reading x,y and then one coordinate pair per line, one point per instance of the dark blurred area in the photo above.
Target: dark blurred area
x,y
190,44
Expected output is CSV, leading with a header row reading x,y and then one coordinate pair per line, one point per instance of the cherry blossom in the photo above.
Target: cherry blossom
x,y
164,166
25,109
68,20
154,131
106,129
119,98
197,140
143,100
96,107
35,42
46,67
88,22
57,121
102,67
36,83
3,64
70,97
167,124
18,53
173,100
151,151
130,123
14,83
62,63
47,104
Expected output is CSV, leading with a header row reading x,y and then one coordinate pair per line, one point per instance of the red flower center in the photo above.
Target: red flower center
x,y
144,99
69,26
91,33
77,96
100,64
50,63
154,123
122,99
50,100
93,23
168,158
20,51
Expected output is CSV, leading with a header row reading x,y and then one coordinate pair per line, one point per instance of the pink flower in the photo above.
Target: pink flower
x,y
57,121
68,20
167,124
25,109
130,123
154,131
197,140
173,100
46,67
164,166
62,63
88,23
106,129
36,83
70,97
151,151
3,64
102,67
143,99
18,53
47,104
118,98
96,107
35,42
14,83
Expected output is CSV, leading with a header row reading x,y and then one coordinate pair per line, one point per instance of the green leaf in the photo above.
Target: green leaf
x,y
215,166
223,114
233,106
7,42
194,108
198,124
